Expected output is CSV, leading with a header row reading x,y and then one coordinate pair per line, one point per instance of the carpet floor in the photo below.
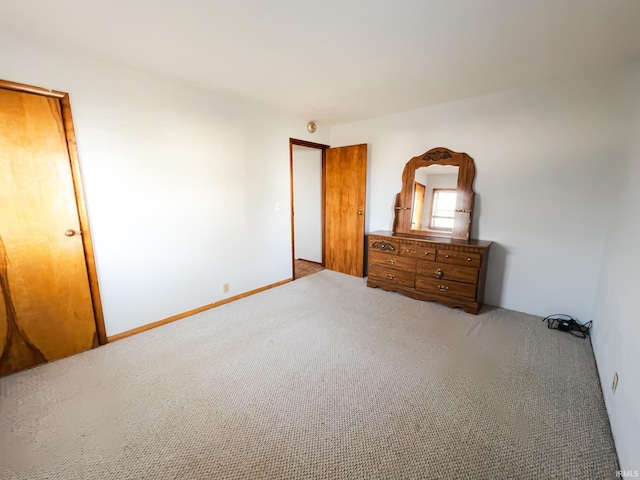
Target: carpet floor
x,y
321,378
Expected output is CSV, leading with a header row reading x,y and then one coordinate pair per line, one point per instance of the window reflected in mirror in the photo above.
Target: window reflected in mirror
x,y
434,198
443,209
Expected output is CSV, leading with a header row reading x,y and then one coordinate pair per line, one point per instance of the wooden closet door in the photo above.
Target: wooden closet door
x,y
46,310
345,188
418,206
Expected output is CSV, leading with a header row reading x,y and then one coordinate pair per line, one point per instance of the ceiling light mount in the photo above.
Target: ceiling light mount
x,y
311,127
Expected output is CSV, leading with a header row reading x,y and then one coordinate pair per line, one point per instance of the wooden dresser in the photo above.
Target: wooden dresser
x,y
443,270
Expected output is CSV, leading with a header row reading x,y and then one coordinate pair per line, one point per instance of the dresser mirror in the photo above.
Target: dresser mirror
x,y
436,199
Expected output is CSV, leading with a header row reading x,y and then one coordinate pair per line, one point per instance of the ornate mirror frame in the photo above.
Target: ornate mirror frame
x,y
464,190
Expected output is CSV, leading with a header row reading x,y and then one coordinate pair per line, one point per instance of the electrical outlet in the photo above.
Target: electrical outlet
x,y
225,287
614,385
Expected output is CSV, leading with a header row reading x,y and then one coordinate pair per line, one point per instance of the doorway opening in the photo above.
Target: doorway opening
x,y
307,177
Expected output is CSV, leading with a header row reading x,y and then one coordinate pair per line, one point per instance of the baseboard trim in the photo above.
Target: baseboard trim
x,y
311,261
149,326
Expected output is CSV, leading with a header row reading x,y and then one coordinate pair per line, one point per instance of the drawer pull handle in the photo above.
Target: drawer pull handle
x,y
391,261
446,256
426,253
408,251
390,277
468,259
443,288
439,273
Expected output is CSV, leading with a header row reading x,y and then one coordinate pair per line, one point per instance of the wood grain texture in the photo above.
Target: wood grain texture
x,y
304,268
345,177
83,217
418,206
464,200
391,276
19,87
306,143
459,258
410,249
69,132
446,288
17,351
447,271
455,279
45,276
392,261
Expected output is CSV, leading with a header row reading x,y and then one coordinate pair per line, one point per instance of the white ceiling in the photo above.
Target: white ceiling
x,y
342,60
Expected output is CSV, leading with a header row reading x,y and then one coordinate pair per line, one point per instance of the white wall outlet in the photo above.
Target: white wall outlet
x,y
614,385
225,287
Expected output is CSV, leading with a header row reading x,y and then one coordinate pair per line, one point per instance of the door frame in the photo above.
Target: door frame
x,y
323,148
87,244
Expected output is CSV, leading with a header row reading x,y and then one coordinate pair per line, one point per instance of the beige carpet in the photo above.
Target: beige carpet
x,y
321,378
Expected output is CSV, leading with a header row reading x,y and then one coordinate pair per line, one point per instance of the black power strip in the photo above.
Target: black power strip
x,y
566,323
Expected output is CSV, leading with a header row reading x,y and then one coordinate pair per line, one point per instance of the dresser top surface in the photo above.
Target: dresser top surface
x,y
441,240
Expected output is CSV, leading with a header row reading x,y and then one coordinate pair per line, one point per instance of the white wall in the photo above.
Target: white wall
x,y
616,332
307,202
181,184
547,161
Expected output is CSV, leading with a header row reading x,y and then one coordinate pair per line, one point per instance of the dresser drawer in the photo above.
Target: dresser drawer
x,y
445,288
389,275
459,258
392,261
417,251
389,246
446,271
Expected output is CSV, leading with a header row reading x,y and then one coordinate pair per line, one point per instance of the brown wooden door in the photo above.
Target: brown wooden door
x,y
345,183
46,309
418,205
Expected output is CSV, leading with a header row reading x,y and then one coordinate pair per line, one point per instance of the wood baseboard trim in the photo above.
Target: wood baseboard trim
x,y
149,326
310,261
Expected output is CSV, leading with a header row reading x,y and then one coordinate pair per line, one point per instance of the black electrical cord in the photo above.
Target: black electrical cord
x,y
566,323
